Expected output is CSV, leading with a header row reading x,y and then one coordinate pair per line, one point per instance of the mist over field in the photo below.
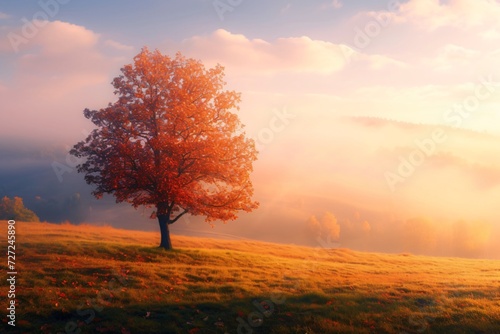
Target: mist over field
x,y
361,214
377,126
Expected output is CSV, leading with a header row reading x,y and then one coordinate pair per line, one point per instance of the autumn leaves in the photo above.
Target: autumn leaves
x,y
171,141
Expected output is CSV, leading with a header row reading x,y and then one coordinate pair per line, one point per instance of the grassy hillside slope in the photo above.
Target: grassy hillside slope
x,y
90,279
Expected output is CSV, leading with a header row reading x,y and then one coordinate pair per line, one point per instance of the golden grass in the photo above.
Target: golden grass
x,y
326,290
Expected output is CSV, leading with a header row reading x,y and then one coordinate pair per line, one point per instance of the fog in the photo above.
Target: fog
x,y
325,189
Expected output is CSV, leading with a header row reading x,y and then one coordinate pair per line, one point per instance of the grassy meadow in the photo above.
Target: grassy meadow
x,y
87,279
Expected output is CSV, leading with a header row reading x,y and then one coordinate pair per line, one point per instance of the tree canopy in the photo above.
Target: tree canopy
x,y
14,209
171,141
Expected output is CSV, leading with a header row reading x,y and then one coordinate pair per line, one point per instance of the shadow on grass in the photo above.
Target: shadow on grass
x,y
306,313
256,315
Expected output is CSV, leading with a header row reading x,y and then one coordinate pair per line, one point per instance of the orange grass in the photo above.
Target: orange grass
x,y
103,279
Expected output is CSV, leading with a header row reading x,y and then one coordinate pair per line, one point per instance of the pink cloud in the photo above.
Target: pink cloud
x,y
296,54
118,46
60,37
300,54
62,70
433,14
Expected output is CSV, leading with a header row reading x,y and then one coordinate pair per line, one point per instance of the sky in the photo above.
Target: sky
x,y
377,122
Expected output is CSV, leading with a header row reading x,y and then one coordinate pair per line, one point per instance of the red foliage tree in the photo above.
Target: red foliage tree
x,y
170,141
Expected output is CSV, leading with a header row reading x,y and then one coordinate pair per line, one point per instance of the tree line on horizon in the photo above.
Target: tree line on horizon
x,y
14,209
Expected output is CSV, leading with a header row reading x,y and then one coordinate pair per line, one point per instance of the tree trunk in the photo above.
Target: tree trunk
x,y
165,233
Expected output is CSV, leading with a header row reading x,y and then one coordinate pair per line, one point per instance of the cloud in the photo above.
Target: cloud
x,y
118,46
491,34
61,38
463,14
56,74
415,128
55,37
295,54
4,16
453,56
459,30
377,122
378,62
61,59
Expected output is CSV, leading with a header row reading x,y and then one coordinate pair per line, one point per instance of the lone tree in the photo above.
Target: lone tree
x,y
171,142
